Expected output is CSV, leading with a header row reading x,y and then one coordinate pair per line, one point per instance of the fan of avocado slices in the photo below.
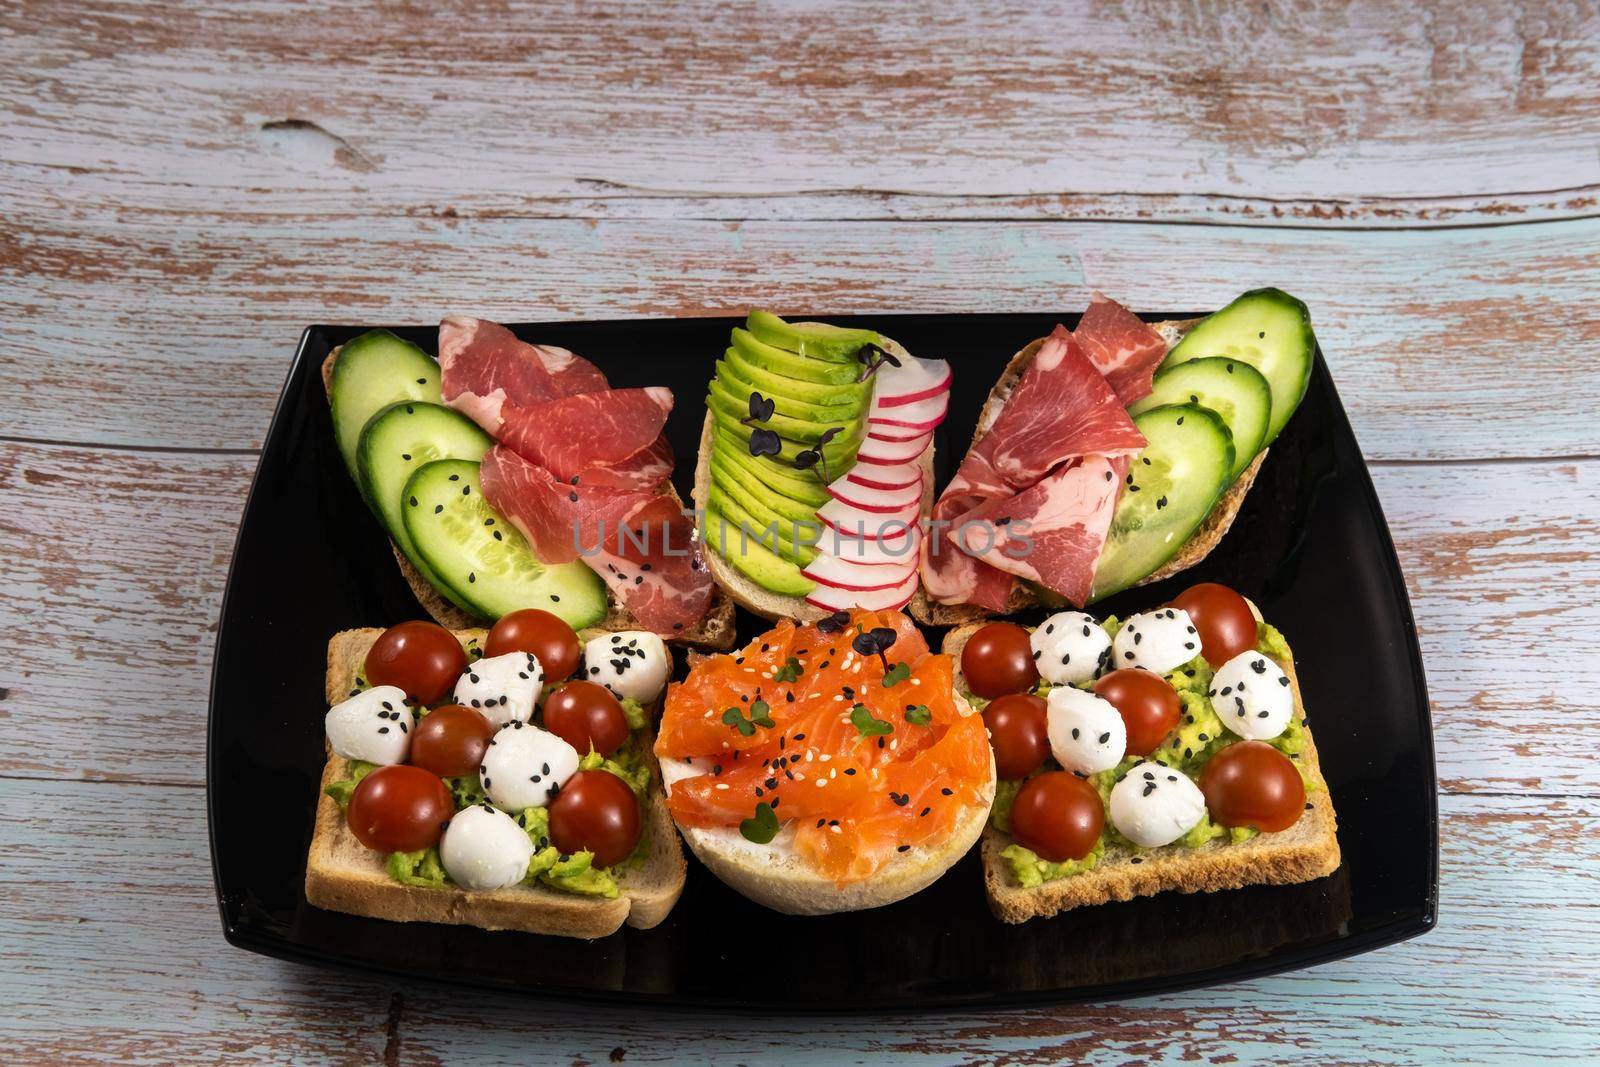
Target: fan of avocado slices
x,y
416,464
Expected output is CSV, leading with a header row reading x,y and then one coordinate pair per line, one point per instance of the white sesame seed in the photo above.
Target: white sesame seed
x,y
824,757
835,828
821,782
833,773
722,785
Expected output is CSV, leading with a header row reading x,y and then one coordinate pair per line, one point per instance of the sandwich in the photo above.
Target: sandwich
x,y
1168,751
1111,456
815,468
826,767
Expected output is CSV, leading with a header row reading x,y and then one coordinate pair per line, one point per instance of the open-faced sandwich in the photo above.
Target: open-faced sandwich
x,y
503,779
510,475
815,467
1165,751
1092,471
826,767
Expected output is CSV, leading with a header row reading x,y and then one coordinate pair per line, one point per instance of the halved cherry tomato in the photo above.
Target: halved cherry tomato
x,y
998,660
1149,707
451,740
584,714
1018,733
1223,618
595,812
423,658
1058,815
1250,783
399,809
547,636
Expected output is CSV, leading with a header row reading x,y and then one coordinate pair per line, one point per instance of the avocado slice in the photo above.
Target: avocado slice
x,y
839,452
802,486
853,395
749,558
817,339
788,405
791,540
794,425
802,368
741,481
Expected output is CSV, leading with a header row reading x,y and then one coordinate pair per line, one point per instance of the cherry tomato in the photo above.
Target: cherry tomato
x,y
1253,784
595,812
423,658
399,809
1149,707
547,636
998,660
450,741
1223,618
1058,815
1018,733
584,714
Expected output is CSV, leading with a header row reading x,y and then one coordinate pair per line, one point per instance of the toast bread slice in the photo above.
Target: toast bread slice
x,y
344,875
714,630
930,612
742,590
1309,849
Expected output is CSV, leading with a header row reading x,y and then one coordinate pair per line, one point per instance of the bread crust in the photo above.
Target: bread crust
x,y
930,612
1307,850
344,875
714,630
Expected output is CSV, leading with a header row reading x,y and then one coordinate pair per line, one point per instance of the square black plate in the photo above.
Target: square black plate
x,y
1310,547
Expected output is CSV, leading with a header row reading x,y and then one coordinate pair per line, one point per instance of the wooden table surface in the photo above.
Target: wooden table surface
x,y
185,186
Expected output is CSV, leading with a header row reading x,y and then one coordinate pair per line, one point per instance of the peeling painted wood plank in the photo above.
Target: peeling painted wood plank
x,y
123,555
1446,344
163,989
170,105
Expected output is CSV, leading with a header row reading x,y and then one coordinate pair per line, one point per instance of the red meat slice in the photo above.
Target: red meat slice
x,y
653,563
483,367
575,433
560,519
1120,346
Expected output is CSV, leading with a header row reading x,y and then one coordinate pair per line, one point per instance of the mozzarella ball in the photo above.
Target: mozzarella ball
x,y
1070,647
505,688
525,767
1087,734
1158,641
633,663
1155,805
374,726
1251,695
485,849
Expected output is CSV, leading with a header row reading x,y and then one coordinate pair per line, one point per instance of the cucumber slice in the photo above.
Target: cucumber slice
x,y
398,440
373,371
1190,454
1271,331
454,531
1232,388
749,558
816,339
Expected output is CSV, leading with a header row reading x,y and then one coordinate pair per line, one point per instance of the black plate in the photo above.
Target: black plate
x,y
1310,546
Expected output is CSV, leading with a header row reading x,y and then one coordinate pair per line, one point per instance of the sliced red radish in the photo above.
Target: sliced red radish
x,y
920,415
899,476
896,556
881,432
831,599
891,527
877,501
892,453
840,573
915,379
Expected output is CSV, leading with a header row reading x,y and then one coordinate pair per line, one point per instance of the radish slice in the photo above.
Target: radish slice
x,y
892,528
915,379
830,599
877,501
900,476
898,555
919,415
839,573
892,453
880,432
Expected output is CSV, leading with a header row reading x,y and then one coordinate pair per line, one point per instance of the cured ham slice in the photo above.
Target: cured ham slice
x,y
653,563
561,521
483,367
1121,347
598,429
645,469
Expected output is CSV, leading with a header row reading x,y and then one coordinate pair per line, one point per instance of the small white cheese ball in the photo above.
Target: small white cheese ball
x,y
505,688
1159,641
1087,734
525,767
1070,647
1156,805
632,663
485,849
374,725
1251,695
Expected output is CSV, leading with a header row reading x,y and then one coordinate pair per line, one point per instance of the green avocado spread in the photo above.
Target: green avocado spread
x,y
1198,736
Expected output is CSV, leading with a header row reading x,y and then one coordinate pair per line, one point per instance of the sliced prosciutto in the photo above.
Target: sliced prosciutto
x,y
561,521
483,366
596,429
1124,349
653,563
